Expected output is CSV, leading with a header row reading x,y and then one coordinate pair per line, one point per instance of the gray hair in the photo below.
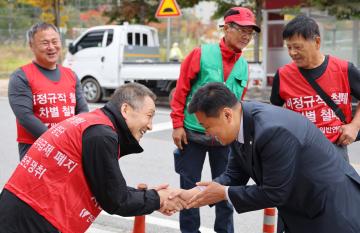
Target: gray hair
x,y
132,94
41,26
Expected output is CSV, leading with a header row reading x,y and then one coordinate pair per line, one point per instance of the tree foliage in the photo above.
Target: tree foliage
x,y
141,11
133,11
188,3
3,3
50,10
342,9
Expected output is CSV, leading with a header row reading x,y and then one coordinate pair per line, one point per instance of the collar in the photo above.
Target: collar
x,y
240,137
43,68
128,144
228,53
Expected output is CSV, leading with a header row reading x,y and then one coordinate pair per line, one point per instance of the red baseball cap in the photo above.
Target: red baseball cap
x,y
244,17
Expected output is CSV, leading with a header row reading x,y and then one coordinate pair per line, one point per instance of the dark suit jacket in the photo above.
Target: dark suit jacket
x,y
296,169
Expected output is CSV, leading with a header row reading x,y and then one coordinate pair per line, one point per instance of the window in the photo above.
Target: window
x,y
90,40
130,38
145,40
137,39
110,36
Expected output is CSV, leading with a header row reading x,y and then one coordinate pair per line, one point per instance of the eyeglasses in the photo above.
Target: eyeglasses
x,y
244,31
46,44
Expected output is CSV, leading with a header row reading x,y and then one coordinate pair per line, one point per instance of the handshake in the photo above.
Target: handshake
x,y
173,200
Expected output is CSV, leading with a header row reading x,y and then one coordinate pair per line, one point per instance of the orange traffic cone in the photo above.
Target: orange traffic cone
x,y
139,224
269,220
139,221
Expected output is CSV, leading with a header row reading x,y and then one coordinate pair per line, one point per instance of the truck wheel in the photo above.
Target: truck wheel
x,y
92,90
171,95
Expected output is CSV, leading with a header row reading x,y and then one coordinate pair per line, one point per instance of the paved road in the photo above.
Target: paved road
x,y
153,166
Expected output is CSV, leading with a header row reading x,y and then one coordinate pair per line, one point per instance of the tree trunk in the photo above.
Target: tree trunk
x,y
258,7
56,5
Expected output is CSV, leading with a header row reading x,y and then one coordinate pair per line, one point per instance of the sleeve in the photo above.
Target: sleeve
x,y
21,102
233,175
354,80
81,104
190,67
102,171
275,98
278,174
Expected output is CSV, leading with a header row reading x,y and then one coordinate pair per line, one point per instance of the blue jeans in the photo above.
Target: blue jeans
x,y
189,164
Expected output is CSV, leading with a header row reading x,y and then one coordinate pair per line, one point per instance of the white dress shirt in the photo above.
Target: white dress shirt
x,y
240,139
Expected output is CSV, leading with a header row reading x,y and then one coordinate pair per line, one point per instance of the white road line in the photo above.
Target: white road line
x,y
159,222
160,127
96,230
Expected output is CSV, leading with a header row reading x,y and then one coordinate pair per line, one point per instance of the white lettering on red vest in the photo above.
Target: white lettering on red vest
x,y
300,97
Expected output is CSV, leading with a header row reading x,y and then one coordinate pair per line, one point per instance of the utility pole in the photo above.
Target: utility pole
x,y
168,39
56,5
11,19
257,35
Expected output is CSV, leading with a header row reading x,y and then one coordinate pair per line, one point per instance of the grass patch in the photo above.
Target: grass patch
x,y
13,56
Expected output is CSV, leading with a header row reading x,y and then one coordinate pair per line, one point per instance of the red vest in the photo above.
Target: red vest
x,y
53,102
300,97
50,176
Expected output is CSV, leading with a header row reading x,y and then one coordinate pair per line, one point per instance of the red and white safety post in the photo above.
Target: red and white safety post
x,y
269,220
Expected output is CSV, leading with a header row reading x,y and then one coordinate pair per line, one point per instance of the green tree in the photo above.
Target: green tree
x,y
342,9
188,3
51,10
140,11
133,11
3,3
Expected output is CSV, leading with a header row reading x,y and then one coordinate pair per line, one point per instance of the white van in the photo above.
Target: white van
x,y
105,57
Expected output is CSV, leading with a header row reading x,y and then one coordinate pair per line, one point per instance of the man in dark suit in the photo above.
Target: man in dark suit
x,y
294,166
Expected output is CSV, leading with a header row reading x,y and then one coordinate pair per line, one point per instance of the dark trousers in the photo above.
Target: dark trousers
x,y
189,164
18,217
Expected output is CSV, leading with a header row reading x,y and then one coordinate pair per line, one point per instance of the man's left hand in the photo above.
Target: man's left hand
x,y
348,134
213,193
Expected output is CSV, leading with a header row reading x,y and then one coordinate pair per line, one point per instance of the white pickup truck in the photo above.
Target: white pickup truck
x,y
105,57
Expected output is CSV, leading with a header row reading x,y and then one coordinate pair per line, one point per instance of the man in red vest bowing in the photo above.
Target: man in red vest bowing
x,y
43,93
71,172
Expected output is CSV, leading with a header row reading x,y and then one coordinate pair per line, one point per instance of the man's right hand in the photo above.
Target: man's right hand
x,y
170,206
179,137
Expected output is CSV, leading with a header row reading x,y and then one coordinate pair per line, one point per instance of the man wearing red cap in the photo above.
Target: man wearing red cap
x,y
223,63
